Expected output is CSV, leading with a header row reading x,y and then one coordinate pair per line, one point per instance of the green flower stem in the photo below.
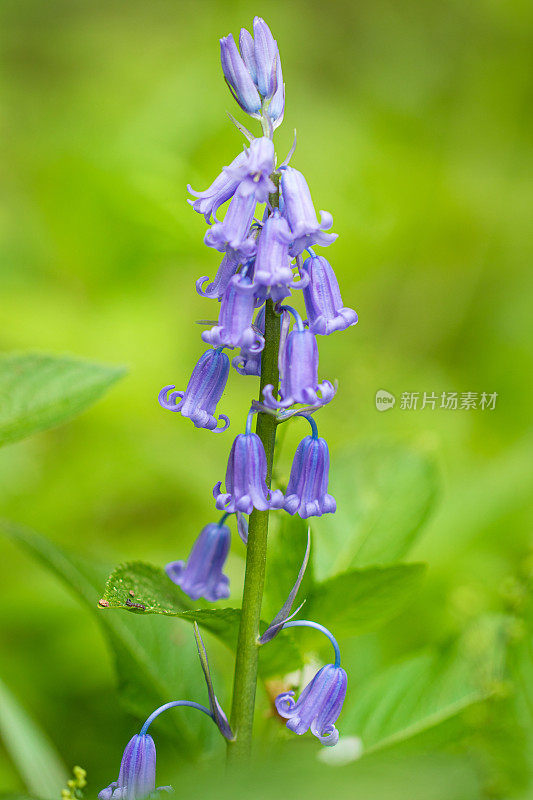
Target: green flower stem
x,y
242,715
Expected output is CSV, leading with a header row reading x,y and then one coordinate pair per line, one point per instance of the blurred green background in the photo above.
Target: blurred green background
x,y
414,130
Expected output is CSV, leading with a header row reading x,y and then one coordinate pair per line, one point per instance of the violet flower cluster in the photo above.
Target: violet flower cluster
x,y
269,224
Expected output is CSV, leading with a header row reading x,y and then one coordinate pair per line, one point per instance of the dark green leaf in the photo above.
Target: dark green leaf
x,y
40,391
363,599
34,756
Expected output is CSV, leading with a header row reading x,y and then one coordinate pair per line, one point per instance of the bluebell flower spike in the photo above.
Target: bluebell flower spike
x,y
218,714
284,613
201,575
246,472
204,390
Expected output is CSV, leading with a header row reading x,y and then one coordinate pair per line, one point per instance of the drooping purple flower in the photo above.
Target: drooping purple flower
x,y
238,77
222,188
246,477
299,373
323,301
318,706
234,327
136,779
234,230
253,174
248,362
204,390
307,492
272,263
215,290
301,215
201,575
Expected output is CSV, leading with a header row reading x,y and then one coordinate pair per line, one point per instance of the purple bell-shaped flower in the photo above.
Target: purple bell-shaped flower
x,y
234,327
323,302
307,491
136,779
227,269
204,390
201,575
222,188
273,275
301,215
299,371
318,706
248,362
254,172
233,233
246,477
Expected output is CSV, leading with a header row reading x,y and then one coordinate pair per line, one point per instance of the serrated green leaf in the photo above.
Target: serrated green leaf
x,y
428,689
40,391
385,494
34,756
145,589
361,600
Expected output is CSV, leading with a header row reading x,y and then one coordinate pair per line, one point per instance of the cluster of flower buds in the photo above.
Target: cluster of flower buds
x,y
262,262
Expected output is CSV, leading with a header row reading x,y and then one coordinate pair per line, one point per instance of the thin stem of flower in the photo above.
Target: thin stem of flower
x,y
305,623
223,518
249,420
312,423
173,704
245,680
297,318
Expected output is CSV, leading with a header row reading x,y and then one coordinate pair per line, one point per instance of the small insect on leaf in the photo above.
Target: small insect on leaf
x,y
138,606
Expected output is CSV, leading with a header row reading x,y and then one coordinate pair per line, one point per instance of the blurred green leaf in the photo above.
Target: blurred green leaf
x,y
428,689
35,757
148,672
137,584
384,494
363,599
40,391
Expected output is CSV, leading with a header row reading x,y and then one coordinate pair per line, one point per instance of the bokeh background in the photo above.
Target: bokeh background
x,y
414,130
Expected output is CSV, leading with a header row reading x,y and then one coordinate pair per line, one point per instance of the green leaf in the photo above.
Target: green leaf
x,y
428,689
145,589
145,660
385,494
363,599
35,757
40,391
